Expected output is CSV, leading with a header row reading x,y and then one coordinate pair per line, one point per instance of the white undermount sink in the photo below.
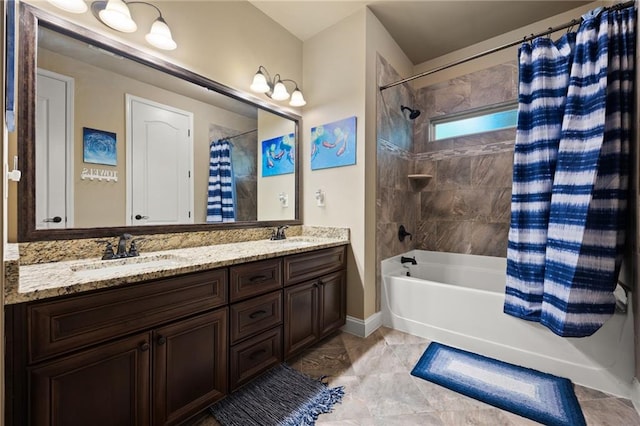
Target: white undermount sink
x,y
125,265
291,243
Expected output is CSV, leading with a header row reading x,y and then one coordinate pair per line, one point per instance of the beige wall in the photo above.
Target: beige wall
x,y
344,89
334,75
269,207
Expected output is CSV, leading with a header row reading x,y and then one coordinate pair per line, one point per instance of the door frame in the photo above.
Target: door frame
x,y
129,99
69,142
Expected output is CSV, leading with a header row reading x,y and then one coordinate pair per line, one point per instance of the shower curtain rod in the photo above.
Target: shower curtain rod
x,y
241,134
551,30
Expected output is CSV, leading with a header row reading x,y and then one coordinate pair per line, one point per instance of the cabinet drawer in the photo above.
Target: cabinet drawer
x,y
255,315
254,278
306,266
254,356
66,324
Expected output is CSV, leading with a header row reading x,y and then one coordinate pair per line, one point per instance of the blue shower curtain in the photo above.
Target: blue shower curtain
x,y
569,190
221,188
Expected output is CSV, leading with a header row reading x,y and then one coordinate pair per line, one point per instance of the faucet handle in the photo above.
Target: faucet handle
x,y
133,247
108,250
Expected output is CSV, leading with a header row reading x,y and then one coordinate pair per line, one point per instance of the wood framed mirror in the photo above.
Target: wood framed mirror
x,y
94,92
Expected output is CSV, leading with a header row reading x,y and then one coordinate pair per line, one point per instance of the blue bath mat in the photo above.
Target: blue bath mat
x,y
280,397
529,393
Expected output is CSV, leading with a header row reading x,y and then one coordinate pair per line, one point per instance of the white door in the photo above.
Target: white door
x,y
54,150
159,160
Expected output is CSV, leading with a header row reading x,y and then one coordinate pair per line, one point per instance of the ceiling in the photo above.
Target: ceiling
x,y
423,29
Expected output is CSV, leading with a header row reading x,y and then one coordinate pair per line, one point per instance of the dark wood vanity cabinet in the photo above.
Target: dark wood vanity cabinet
x,y
255,320
314,297
159,352
151,353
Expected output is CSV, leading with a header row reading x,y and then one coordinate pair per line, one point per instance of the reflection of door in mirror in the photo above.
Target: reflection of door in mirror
x,y
160,146
54,150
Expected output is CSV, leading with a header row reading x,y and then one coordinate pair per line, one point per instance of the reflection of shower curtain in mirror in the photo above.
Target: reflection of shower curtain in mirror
x,y
570,187
221,188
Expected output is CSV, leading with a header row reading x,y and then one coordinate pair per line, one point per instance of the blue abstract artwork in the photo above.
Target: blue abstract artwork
x,y
333,144
99,147
278,155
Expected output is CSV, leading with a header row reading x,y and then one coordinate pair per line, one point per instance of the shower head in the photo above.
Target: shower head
x,y
413,113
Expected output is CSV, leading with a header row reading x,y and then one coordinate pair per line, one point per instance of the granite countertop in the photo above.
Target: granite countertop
x,y
39,281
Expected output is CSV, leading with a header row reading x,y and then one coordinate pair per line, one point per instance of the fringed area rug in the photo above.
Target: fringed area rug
x,y
282,396
529,393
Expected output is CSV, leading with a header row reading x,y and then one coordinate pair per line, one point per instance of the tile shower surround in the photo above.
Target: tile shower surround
x,y
465,207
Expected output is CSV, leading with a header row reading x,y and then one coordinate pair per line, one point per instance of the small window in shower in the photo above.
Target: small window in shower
x,y
485,119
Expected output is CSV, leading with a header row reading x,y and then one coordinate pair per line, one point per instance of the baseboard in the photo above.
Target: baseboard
x,y
363,328
635,394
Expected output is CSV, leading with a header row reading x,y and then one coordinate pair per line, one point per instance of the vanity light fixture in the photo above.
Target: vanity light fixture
x,y
116,14
275,88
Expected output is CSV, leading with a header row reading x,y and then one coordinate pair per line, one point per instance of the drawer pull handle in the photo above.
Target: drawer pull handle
x,y
258,279
256,354
256,314
162,340
144,346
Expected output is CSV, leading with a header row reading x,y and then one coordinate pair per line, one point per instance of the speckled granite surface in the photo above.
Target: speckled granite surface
x,y
36,281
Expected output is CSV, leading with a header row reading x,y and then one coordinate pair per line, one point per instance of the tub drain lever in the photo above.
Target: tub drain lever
x,y
402,233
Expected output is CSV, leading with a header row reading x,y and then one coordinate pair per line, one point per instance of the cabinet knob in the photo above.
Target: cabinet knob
x,y
255,314
320,282
162,340
144,346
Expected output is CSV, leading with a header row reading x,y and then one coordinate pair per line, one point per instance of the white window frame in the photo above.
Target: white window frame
x,y
477,112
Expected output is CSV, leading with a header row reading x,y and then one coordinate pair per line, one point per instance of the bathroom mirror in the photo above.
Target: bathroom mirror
x,y
113,140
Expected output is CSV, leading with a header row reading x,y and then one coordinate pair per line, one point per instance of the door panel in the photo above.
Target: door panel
x,y
160,166
53,141
190,368
105,386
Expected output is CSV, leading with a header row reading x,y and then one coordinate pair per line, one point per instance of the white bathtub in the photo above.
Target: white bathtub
x,y
457,300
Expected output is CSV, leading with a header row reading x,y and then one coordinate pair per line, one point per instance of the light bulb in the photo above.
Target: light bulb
x,y
279,92
260,84
73,6
117,15
160,36
297,100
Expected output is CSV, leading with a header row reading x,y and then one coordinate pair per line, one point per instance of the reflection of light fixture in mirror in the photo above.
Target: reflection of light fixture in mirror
x,y
116,14
284,199
275,88
72,6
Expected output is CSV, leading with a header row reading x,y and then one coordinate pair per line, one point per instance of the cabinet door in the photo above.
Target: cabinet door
x,y
190,366
333,309
107,385
300,317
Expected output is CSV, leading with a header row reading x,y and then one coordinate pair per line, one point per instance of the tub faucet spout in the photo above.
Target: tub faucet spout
x,y
411,260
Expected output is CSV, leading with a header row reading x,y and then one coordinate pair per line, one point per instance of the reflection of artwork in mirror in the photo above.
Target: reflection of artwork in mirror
x,y
334,144
99,147
278,156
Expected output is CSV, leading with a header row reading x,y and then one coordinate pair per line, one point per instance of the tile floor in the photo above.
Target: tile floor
x,y
380,391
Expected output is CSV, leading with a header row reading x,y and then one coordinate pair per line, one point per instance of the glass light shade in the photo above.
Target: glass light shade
x,y
117,15
297,100
160,36
260,84
279,92
73,6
